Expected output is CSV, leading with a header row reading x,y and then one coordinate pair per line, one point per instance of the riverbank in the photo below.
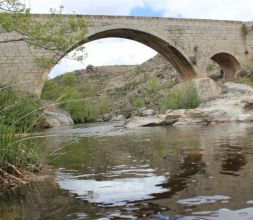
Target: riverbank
x,y
233,105
22,177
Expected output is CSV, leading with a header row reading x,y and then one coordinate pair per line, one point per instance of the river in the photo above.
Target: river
x,y
107,172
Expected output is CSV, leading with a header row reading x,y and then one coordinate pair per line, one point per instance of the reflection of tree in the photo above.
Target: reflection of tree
x,y
233,160
192,165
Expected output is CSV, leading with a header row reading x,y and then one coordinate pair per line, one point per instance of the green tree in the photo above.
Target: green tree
x,y
50,90
68,80
57,33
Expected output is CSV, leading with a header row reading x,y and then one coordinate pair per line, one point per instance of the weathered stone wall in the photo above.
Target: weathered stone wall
x,y
188,44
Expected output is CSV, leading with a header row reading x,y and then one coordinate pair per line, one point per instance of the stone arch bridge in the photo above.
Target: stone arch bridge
x,y
188,44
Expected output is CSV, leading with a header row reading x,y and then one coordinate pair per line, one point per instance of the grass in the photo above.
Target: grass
x,y
138,103
181,97
154,86
245,80
13,108
19,153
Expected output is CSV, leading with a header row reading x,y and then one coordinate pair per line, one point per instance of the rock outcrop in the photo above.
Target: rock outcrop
x,y
234,105
54,117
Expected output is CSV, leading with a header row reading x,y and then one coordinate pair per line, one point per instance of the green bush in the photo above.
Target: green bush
x,y
87,90
68,80
136,70
87,110
138,103
50,90
76,100
103,106
181,97
154,86
81,111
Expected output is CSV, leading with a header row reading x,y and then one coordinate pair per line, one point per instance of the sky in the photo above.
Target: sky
x,y
102,52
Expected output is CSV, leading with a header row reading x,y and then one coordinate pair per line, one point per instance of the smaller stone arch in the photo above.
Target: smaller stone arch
x,y
229,65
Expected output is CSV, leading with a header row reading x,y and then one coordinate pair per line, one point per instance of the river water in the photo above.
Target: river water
x,y
106,172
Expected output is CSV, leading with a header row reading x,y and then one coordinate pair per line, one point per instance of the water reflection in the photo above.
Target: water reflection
x,y
117,192
145,173
222,214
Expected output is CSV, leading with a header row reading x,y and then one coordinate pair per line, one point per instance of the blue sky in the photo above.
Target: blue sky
x,y
102,52
146,11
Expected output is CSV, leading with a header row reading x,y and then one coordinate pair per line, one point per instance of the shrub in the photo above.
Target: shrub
x,y
136,70
154,86
75,98
87,90
86,110
50,90
103,106
68,80
138,103
81,111
181,97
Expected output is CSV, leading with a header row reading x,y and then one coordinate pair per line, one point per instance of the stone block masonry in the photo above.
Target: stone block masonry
x,y
189,44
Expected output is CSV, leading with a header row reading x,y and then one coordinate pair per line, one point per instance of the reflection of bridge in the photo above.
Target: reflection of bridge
x,y
188,44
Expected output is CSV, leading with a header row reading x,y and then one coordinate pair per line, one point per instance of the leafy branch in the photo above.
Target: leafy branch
x,y
55,32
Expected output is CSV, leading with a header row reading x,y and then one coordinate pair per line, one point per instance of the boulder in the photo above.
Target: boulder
x,y
49,122
148,112
54,116
136,121
106,117
120,117
56,119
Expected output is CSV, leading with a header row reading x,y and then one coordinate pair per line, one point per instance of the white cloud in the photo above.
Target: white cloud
x,y
111,51
120,50
98,7
212,9
207,9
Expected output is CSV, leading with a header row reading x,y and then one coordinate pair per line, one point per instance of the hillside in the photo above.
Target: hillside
x,y
123,85
114,89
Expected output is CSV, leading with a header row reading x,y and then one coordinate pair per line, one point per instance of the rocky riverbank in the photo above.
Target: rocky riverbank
x,y
233,105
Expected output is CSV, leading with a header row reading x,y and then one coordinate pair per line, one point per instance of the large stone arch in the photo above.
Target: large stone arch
x,y
175,55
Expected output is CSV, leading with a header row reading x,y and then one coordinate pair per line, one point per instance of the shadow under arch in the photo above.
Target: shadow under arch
x,y
172,54
229,65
